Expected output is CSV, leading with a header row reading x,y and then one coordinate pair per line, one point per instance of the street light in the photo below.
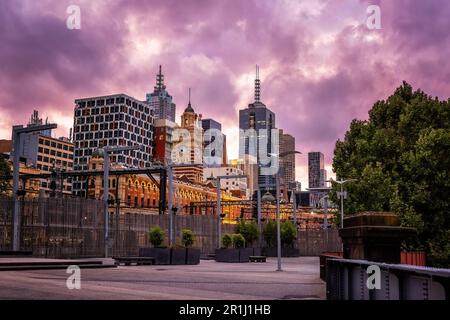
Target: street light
x,y
277,176
218,211
17,131
106,152
342,195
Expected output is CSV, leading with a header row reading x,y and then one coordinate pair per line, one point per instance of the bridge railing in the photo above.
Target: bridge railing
x,y
348,280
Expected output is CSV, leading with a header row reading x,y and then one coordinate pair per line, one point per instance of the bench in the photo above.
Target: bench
x,y
257,258
134,260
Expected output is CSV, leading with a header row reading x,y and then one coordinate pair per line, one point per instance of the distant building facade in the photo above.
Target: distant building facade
x,y
47,154
163,140
209,138
232,184
189,149
316,170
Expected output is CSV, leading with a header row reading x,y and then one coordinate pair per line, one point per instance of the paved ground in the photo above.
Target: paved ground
x,y
209,280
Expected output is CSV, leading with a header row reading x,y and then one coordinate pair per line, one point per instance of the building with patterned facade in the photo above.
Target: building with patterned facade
x,y
114,120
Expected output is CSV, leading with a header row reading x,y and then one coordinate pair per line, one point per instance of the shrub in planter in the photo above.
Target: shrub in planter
x,y
226,241
227,253
187,238
192,254
238,240
156,237
249,231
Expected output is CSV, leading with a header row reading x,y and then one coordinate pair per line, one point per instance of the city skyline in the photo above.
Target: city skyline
x,y
318,71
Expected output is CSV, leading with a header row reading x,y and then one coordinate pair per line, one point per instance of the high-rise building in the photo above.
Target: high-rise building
x,y
258,117
315,170
107,121
287,163
160,100
45,153
210,138
190,121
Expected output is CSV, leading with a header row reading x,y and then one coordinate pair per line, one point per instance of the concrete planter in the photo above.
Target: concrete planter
x,y
244,254
286,252
178,256
233,255
161,255
192,256
257,251
227,255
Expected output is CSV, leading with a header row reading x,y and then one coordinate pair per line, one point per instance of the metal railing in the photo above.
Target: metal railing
x,y
347,280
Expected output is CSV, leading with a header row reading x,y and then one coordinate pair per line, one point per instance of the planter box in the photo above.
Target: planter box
x,y
286,252
257,252
227,255
192,256
161,255
233,255
178,256
244,254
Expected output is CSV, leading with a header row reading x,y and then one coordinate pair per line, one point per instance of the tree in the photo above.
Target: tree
x,y
400,157
5,170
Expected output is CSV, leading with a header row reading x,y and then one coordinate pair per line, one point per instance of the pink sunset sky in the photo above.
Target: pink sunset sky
x,y
319,63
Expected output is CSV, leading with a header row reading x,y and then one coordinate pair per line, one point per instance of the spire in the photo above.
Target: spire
x,y
257,86
189,107
160,80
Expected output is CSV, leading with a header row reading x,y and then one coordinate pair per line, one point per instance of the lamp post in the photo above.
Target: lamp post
x,y
341,195
107,151
277,176
17,131
218,211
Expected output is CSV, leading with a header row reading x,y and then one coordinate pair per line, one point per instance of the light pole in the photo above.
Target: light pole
x,y
342,195
106,152
277,176
218,211
17,131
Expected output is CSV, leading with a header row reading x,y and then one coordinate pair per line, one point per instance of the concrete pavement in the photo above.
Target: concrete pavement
x,y
209,280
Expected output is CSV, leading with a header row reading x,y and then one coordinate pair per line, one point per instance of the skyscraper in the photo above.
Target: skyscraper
x,y
258,117
316,170
160,100
114,120
287,163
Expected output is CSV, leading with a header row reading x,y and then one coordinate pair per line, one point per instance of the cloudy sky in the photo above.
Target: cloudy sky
x,y
320,65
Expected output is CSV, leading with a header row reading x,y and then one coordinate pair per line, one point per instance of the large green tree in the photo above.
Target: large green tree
x,y
5,170
400,157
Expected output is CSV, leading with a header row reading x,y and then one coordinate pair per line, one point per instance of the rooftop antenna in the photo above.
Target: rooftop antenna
x,y
257,86
160,80
189,96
